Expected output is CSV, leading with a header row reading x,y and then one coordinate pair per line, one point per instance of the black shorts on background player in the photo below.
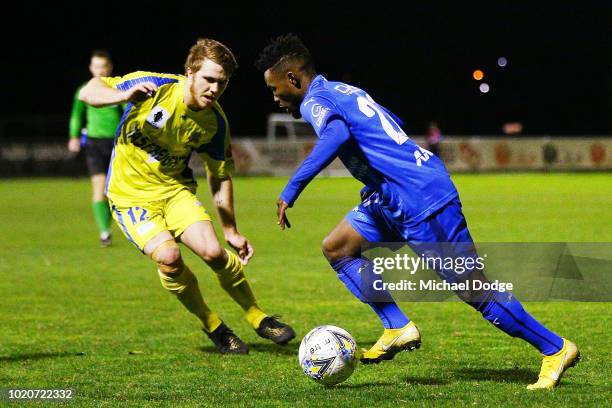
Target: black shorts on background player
x,y
98,153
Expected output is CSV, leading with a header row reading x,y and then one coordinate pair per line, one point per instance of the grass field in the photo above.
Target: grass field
x,y
97,320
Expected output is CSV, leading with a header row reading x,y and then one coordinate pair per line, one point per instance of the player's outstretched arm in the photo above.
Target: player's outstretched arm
x,y
222,190
97,93
325,151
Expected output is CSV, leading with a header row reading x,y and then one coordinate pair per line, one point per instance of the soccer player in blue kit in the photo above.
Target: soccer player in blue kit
x,y
408,197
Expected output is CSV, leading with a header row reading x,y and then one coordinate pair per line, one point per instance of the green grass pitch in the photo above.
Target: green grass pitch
x,y
97,320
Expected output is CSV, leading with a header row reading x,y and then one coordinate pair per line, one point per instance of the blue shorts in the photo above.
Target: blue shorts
x,y
442,234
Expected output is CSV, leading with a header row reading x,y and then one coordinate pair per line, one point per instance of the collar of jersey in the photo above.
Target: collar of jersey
x,y
315,82
319,79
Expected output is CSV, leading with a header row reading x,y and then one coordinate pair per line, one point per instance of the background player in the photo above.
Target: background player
x,y
408,197
100,124
152,190
433,138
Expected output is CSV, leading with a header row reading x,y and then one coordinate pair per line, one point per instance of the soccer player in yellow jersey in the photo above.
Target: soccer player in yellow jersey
x,y
151,189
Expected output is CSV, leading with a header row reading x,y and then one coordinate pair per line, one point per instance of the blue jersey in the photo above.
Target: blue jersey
x,y
368,139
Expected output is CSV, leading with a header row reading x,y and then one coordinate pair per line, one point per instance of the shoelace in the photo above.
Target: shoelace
x,y
233,342
274,321
274,326
228,334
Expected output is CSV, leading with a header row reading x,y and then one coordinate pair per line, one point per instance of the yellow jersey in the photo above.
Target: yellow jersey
x,y
155,140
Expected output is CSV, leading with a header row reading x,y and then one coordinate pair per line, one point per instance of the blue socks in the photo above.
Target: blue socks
x,y
507,314
349,271
503,310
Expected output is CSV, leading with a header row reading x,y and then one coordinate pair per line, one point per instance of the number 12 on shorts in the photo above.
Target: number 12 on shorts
x,y
135,217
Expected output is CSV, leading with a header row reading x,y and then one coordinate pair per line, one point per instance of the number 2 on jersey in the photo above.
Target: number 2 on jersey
x,y
368,107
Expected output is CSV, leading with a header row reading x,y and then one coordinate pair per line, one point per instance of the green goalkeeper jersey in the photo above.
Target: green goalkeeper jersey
x,y
101,123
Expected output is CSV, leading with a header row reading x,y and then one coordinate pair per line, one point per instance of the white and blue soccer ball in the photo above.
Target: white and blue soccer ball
x,y
327,354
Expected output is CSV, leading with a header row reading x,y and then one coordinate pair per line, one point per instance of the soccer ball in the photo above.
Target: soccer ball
x,y
327,354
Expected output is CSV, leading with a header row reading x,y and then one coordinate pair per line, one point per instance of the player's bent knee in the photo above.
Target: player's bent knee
x,y
212,253
326,249
333,250
168,257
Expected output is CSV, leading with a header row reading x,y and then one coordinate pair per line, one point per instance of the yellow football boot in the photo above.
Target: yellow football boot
x,y
554,366
392,342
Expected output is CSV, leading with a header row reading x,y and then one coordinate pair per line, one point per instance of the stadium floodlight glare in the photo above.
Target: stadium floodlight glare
x,y
502,61
484,87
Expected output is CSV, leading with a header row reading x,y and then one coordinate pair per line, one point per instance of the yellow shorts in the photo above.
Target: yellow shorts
x,y
143,222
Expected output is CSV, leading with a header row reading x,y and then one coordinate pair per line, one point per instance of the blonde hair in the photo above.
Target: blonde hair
x,y
214,51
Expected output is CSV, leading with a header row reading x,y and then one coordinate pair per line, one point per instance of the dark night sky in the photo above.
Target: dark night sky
x,y
417,62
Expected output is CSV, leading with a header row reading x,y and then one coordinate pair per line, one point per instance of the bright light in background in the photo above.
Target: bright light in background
x,y
484,87
478,75
502,61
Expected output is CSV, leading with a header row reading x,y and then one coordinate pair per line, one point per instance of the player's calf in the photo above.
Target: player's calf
x,y
342,248
178,279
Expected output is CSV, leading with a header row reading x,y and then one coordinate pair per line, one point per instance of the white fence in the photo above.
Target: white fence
x,y
473,154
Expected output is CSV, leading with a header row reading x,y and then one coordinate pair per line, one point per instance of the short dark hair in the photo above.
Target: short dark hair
x,y
101,54
214,51
284,50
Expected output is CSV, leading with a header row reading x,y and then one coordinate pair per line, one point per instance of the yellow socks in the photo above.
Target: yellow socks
x,y
233,281
185,286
